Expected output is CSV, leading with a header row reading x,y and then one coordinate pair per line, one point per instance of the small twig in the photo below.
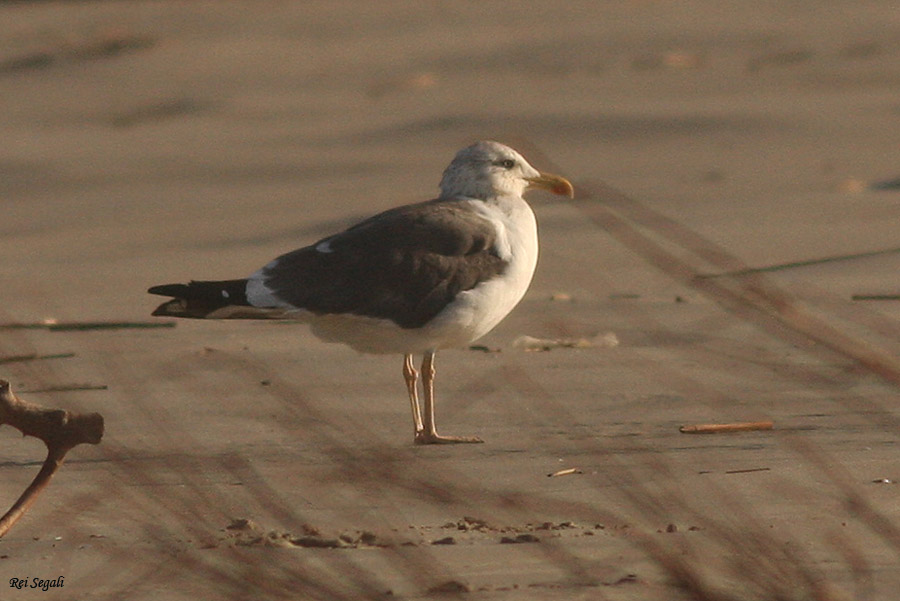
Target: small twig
x,y
735,427
567,472
875,297
33,357
748,471
59,430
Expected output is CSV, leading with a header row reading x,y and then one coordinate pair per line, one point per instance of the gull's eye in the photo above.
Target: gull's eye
x,y
506,163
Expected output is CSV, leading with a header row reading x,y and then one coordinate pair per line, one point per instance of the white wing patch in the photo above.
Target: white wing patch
x,y
260,295
324,247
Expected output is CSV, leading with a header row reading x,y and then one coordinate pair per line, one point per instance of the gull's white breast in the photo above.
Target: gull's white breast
x,y
475,312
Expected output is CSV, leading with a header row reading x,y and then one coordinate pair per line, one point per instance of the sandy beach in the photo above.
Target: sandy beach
x,y
736,173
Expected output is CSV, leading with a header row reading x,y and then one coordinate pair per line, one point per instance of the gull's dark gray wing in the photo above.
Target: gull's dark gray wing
x,y
405,264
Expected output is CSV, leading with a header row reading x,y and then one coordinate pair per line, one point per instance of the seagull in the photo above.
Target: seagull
x,y
411,280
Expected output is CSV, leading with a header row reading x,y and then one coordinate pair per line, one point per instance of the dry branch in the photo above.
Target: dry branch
x,y
60,430
735,427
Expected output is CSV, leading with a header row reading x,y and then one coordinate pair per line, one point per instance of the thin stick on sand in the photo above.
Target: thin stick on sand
x,y
795,264
60,430
68,388
568,472
33,357
734,427
65,326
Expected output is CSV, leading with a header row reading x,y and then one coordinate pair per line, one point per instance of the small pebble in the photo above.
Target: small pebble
x,y
451,586
448,540
522,538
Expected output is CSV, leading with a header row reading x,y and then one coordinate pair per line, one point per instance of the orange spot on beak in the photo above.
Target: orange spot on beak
x,y
553,183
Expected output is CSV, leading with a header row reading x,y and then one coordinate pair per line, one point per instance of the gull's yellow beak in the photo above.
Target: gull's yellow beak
x,y
554,183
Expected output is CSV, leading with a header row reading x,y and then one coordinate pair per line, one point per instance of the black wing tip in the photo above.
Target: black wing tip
x,y
200,299
168,289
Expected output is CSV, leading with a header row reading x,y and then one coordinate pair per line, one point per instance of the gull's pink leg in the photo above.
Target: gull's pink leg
x,y
429,434
412,376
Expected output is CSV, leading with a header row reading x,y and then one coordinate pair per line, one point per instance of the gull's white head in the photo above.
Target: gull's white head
x,y
489,169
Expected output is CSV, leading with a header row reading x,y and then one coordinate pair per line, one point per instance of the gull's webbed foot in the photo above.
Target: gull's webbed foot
x,y
423,437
